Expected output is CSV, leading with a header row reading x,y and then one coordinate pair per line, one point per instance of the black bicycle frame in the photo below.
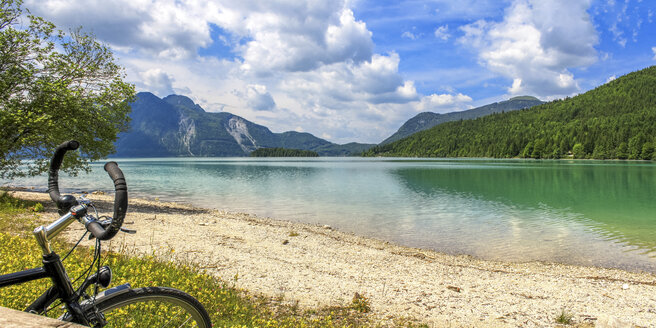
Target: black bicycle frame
x,y
62,287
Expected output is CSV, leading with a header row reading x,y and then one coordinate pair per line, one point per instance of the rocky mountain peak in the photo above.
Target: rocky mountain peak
x,y
184,102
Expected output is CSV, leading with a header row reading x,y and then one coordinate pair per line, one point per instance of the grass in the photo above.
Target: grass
x,y
564,318
360,303
228,306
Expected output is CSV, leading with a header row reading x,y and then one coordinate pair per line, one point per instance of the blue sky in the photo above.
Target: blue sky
x,y
355,70
426,35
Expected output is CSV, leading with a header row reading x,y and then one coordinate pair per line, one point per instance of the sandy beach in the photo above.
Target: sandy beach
x,y
318,266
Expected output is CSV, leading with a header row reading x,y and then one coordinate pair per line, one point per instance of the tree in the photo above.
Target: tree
x,y
623,151
538,149
614,120
55,86
635,146
528,150
578,151
647,151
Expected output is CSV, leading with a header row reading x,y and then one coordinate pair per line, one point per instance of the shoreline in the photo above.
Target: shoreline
x,y
317,266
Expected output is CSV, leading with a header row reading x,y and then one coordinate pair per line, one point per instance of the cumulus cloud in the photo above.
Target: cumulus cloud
x,y
166,28
285,35
157,81
443,103
535,45
259,98
298,36
293,64
442,32
338,86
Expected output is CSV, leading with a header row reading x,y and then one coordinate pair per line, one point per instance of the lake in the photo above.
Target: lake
x,y
600,213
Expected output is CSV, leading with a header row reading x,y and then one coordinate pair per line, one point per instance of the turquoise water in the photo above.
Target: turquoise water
x,y
579,212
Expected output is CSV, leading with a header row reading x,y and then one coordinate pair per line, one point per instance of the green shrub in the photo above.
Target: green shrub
x,y
360,303
564,318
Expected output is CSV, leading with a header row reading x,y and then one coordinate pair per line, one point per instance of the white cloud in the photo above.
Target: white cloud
x,y
294,65
299,36
653,49
165,28
443,103
442,32
408,35
618,35
157,81
536,44
339,85
259,98
611,78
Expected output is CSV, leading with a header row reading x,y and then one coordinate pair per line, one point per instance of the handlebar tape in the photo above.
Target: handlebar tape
x,y
120,204
120,198
96,230
55,164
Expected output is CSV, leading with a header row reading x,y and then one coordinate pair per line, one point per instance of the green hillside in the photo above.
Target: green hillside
x,y
282,152
427,120
615,120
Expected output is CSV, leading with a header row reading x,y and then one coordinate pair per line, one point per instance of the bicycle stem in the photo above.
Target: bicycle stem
x,y
44,234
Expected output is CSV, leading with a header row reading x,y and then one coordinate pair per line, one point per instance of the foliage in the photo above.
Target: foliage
x,y
615,120
10,203
55,87
360,303
38,207
282,152
564,318
427,120
349,149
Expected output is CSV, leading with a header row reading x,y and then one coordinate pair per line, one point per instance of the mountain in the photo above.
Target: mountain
x,y
615,120
427,120
176,126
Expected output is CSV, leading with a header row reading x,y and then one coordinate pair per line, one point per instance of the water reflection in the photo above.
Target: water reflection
x,y
615,200
572,212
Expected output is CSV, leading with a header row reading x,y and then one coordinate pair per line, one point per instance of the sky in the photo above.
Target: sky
x,y
356,70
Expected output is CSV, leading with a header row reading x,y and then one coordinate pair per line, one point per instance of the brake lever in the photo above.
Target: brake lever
x,y
106,223
84,200
129,231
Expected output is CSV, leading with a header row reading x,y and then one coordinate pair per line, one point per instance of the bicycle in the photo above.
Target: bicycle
x,y
120,306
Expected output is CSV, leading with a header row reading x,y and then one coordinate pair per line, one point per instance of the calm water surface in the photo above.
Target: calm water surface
x,y
579,212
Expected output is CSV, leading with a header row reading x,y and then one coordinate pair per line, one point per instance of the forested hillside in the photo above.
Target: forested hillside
x,y
282,152
615,120
427,120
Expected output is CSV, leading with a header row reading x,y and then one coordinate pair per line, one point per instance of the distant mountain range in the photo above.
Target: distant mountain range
x,y
614,121
176,126
427,120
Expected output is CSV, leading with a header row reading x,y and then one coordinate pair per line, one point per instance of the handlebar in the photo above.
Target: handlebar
x,y
66,202
63,203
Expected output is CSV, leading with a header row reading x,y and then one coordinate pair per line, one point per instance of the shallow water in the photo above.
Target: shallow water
x,y
579,212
